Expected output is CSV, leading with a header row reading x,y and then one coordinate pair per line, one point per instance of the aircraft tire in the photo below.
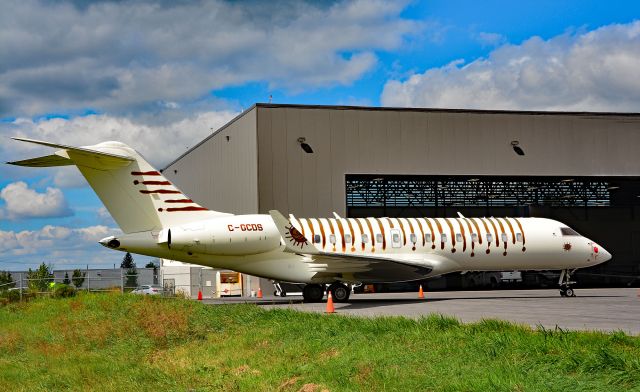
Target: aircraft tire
x,y
569,292
313,293
340,292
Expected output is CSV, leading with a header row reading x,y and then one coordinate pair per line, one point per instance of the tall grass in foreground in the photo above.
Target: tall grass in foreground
x,y
114,342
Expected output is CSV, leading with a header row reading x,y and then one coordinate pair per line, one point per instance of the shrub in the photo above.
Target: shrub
x,y
9,296
64,291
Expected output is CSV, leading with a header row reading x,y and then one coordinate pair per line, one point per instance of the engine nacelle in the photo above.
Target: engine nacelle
x,y
228,236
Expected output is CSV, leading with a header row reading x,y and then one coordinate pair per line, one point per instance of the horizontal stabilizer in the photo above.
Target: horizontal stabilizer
x,y
45,161
79,155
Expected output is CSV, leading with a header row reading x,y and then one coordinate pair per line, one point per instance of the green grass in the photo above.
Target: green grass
x,y
114,342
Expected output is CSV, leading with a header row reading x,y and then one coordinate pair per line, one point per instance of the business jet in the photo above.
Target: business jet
x,y
159,220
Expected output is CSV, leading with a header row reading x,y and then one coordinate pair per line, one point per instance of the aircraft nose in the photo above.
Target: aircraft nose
x,y
605,255
601,253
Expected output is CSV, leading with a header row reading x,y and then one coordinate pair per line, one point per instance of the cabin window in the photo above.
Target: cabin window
x,y
347,238
379,237
413,238
365,238
443,237
332,239
316,238
474,237
504,237
396,237
458,237
427,237
519,237
567,231
489,237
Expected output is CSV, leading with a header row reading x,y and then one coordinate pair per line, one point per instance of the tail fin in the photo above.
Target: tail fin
x,y
137,196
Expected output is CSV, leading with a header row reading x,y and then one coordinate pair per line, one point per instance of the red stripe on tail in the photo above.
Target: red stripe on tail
x,y
165,191
190,208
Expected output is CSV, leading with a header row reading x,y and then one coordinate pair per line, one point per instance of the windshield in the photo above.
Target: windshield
x,y
567,231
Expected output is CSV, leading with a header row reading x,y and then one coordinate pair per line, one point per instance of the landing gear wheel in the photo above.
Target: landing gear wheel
x,y
313,293
283,294
565,283
340,292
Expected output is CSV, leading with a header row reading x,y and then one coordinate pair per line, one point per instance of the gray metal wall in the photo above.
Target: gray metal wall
x,y
362,141
222,174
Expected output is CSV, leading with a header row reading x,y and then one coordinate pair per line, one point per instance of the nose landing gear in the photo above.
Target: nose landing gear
x,y
565,283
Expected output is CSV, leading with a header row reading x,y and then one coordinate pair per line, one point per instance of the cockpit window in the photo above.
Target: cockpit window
x,y
567,231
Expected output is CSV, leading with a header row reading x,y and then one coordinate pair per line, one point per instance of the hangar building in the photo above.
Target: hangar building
x,y
579,168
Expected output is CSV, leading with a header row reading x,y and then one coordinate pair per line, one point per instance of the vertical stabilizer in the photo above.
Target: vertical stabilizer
x,y
138,197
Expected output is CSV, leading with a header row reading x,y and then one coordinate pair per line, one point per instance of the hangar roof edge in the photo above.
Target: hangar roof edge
x,y
443,110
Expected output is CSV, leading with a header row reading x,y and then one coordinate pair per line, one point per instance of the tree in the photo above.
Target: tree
x,y
127,261
78,278
153,265
6,280
39,279
130,271
66,278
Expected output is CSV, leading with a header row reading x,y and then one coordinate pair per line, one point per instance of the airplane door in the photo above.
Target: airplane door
x,y
396,240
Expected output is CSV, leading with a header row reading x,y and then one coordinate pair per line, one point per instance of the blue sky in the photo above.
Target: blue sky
x,y
149,72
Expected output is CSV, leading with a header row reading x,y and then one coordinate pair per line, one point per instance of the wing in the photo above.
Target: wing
x,y
351,267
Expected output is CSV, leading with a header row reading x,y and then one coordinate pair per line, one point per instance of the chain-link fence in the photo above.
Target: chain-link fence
x,y
90,280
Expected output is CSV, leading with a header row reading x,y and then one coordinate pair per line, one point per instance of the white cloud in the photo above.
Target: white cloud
x,y
24,202
124,55
68,177
592,71
160,143
490,39
56,244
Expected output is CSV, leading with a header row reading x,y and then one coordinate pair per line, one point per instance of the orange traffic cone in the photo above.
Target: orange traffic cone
x,y
199,295
420,293
259,292
330,308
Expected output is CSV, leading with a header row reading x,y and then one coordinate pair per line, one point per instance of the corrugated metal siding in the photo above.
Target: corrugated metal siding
x,y
351,141
219,174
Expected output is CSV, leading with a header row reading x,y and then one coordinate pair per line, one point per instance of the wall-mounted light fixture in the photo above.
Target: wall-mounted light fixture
x,y
307,148
516,147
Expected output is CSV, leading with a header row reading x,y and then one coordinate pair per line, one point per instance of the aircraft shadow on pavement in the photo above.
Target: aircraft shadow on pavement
x,y
379,301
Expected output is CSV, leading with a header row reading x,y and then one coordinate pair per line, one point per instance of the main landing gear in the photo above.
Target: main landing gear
x,y
340,292
565,283
313,293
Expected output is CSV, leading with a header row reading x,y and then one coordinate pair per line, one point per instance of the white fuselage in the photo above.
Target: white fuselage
x,y
252,244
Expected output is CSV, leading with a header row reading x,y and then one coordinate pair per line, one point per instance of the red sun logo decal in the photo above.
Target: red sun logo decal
x,y
295,237
567,247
